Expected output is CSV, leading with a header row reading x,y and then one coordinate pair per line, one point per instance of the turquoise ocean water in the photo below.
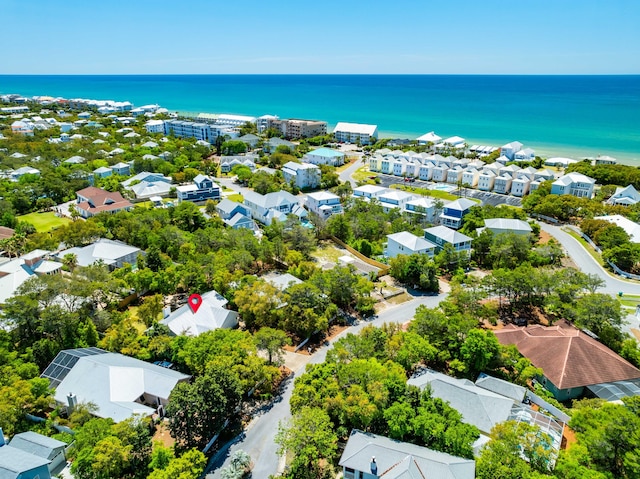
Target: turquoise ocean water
x,y
571,116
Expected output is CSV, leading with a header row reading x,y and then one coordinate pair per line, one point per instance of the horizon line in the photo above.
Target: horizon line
x,y
322,74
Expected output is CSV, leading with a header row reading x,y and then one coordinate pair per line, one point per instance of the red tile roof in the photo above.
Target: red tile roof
x,y
6,232
101,200
568,357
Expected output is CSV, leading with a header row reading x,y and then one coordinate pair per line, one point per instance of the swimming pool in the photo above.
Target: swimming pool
x,y
443,187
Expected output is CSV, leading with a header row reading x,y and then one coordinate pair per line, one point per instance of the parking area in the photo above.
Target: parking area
x,y
493,199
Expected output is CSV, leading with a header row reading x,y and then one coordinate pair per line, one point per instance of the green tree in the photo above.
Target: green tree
x,y
188,466
197,411
272,341
479,351
310,437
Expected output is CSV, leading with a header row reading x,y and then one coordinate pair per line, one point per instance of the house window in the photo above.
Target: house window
x,y
349,473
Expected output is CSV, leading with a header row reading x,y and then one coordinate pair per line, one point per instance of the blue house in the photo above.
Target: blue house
x,y
227,209
202,189
453,213
17,464
102,172
122,169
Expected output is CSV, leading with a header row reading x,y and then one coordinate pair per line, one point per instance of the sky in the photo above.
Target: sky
x,y
332,36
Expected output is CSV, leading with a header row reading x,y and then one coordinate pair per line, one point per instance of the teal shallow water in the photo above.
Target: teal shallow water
x,y
556,115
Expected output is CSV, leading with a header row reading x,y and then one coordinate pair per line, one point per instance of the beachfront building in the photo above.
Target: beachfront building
x,y
526,154
369,456
233,120
202,189
626,196
92,201
324,204
264,122
441,235
575,184
428,138
325,156
295,129
453,212
451,143
188,129
407,243
356,133
303,175
510,149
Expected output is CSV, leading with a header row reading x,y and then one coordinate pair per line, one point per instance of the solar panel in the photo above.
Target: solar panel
x,y
64,362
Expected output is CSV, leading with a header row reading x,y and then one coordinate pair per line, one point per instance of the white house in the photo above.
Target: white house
x,y
486,179
454,175
510,149
470,177
439,172
112,253
630,227
626,196
575,184
502,183
355,133
526,154
520,185
427,138
18,270
394,199
303,175
325,156
369,456
119,386
324,204
211,314
273,206
368,192
507,225
407,243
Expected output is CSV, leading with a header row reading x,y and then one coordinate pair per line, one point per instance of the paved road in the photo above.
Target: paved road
x,y
258,439
588,264
345,175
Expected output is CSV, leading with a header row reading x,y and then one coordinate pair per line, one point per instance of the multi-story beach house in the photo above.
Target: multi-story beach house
x,y
303,175
526,154
368,192
502,183
324,204
188,129
356,133
470,177
441,235
510,149
421,206
407,243
394,199
453,212
575,184
439,172
326,156
454,175
202,189
273,206
486,180
520,185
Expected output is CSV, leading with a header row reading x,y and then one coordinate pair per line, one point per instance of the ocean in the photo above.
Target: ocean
x,y
574,116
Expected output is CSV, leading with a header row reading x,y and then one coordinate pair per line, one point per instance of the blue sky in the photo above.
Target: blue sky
x,y
345,36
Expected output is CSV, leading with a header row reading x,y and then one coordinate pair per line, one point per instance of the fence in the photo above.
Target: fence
x,y
384,269
614,267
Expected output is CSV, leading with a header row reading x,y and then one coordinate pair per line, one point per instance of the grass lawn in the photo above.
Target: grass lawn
x,y
44,222
328,252
363,174
237,197
586,245
442,195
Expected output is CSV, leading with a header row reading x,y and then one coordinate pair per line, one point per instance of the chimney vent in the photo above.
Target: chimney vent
x,y
374,466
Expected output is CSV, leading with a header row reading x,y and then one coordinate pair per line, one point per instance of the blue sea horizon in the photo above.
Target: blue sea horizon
x,y
557,115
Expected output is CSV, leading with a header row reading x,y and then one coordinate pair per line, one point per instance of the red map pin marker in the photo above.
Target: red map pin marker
x,y
195,301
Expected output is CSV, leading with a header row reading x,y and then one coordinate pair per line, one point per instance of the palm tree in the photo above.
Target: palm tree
x,y
70,261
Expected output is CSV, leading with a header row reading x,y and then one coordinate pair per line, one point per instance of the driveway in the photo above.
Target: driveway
x,y
258,438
